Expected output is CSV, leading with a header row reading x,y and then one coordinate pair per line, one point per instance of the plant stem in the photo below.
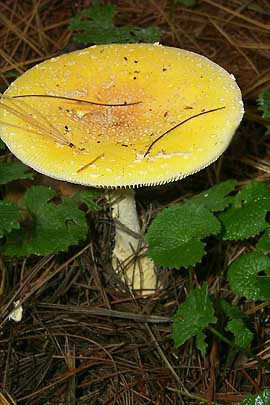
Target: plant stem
x,y
221,337
262,363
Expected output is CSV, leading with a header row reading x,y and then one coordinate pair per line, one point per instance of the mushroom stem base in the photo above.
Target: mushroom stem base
x,y
129,258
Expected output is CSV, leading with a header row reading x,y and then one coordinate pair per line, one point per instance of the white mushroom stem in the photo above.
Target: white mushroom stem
x,y
129,255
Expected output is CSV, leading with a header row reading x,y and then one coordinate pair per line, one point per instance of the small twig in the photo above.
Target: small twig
x,y
104,312
166,361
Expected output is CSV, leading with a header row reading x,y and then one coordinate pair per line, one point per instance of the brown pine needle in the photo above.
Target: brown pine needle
x,y
39,123
89,164
125,104
178,125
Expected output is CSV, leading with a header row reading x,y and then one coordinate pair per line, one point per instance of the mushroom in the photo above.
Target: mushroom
x,y
122,116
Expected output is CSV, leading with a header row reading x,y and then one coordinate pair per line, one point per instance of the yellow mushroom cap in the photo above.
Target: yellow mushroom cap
x,y
131,144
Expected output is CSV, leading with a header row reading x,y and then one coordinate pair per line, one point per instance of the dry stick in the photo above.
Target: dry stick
x,y
178,125
162,355
79,101
82,310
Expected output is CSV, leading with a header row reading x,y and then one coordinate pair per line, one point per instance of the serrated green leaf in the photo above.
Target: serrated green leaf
x,y
95,25
244,223
247,215
200,343
261,399
36,199
184,255
10,171
263,101
231,311
51,228
192,317
244,277
216,198
2,145
174,237
87,197
9,214
242,335
253,192
264,242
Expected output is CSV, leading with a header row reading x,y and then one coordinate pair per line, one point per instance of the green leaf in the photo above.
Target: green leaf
x,y
216,198
242,335
247,215
200,342
192,317
187,3
263,101
87,197
174,237
50,227
260,399
2,145
244,277
264,242
231,311
95,25
10,171
9,214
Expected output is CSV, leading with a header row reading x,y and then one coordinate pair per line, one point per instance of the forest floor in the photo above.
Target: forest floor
x,y
83,339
